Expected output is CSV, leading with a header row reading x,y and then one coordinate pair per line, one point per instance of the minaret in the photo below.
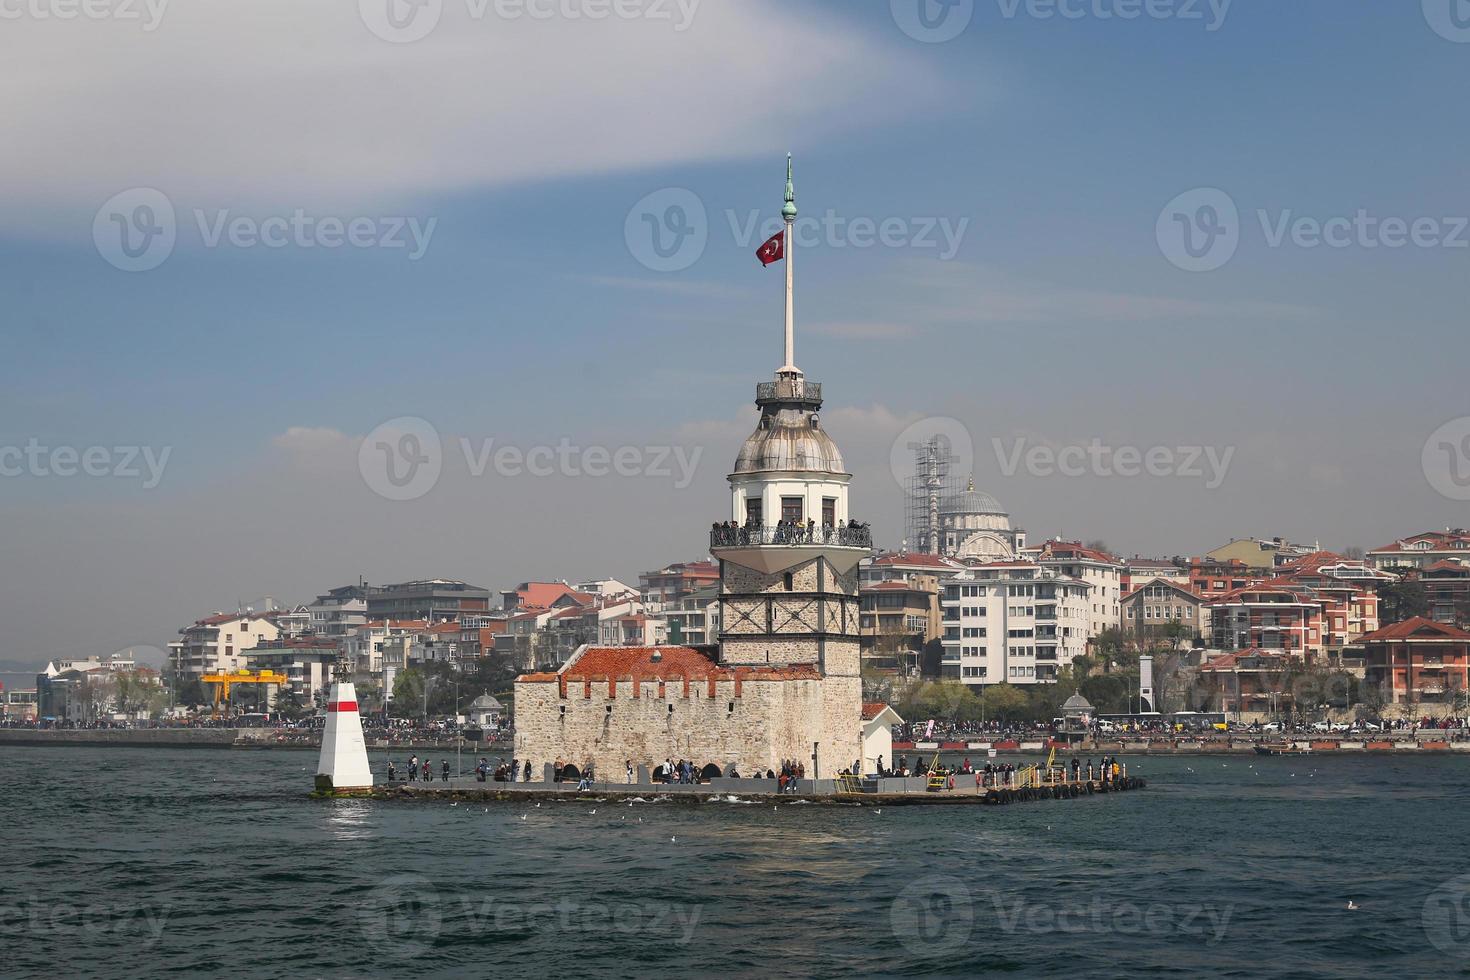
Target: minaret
x,y
789,556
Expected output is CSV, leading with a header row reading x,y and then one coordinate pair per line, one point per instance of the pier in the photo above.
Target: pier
x,y
1027,785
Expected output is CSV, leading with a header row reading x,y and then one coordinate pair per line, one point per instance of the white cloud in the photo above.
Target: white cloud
x,y
284,104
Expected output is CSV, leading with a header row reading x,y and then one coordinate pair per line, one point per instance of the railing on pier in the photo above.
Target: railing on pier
x,y
845,535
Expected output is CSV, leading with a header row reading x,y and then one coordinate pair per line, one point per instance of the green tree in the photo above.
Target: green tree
x,y
1107,692
1005,702
1402,600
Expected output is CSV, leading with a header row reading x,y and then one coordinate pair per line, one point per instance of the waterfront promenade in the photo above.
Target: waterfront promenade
x,y
1421,741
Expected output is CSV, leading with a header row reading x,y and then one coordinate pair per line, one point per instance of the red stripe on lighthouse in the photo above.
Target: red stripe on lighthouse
x,y
342,706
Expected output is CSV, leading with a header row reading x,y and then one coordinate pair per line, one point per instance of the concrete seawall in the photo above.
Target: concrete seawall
x,y
173,738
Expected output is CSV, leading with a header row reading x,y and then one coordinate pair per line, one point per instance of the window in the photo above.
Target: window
x,y
829,511
791,509
789,582
753,510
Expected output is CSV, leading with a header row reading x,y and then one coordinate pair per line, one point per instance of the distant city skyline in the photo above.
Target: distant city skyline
x,y
531,247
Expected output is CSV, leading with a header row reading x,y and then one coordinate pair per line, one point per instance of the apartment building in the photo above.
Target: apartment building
x,y
1013,622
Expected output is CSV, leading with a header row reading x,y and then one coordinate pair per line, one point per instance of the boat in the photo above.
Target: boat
x,y
1279,748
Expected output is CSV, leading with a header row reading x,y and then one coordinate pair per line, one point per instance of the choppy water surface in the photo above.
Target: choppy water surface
x,y
132,862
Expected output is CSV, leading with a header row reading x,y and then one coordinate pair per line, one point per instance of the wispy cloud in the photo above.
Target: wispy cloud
x,y
282,104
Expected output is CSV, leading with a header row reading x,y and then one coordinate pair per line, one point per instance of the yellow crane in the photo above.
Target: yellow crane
x,y
223,681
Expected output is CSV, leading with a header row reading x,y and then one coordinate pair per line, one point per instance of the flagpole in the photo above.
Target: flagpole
x,y
788,212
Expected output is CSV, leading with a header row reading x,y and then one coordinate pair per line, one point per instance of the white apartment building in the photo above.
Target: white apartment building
x,y
219,643
1102,572
1013,623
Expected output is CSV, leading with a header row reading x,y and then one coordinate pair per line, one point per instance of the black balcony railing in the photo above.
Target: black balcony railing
x,y
738,536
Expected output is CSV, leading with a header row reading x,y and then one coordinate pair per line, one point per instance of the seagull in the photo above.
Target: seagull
x,y
673,840
523,816
538,805
593,813
1352,907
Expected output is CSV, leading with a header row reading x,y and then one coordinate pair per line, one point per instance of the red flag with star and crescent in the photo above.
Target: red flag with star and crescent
x,y
774,250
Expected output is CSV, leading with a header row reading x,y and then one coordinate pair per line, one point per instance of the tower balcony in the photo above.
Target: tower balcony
x,y
843,536
789,391
773,548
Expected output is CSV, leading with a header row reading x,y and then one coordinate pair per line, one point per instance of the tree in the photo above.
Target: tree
x,y
135,690
1402,600
1005,702
1107,692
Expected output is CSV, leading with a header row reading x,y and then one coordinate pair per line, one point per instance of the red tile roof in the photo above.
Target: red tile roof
x,y
1456,539
1417,628
872,709
674,662
1229,661
1076,550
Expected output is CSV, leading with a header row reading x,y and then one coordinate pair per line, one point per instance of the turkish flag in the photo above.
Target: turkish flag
x,y
774,250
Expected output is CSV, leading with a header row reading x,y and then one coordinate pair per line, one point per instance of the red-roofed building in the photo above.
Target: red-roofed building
x,y
1102,572
898,619
1419,661
666,586
1446,585
1422,550
1271,617
537,596
1246,682
1210,579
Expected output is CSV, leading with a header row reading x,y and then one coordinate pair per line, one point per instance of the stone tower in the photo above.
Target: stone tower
x,y
789,557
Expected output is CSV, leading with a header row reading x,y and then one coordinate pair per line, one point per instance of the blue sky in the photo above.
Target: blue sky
x,y
528,319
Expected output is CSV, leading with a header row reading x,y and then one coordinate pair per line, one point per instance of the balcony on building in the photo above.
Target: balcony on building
x,y
792,536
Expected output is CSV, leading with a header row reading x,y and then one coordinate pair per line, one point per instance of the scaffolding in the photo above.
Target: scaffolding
x,y
932,482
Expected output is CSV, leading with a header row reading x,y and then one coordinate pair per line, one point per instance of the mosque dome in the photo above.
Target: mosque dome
x,y
971,501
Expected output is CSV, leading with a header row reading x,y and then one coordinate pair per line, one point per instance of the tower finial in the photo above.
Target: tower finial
x,y
789,211
788,367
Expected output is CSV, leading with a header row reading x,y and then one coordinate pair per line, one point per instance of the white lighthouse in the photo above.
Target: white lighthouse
x,y
343,766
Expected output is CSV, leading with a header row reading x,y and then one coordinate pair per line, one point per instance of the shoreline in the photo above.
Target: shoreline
x,y
252,740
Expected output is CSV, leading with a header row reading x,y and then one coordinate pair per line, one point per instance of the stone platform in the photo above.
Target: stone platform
x,y
890,792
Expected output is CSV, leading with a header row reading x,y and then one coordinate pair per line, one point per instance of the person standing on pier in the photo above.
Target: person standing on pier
x,y
428,772
445,771
413,768
528,772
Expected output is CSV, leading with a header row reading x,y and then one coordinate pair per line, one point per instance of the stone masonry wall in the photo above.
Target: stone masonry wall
x,y
768,722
